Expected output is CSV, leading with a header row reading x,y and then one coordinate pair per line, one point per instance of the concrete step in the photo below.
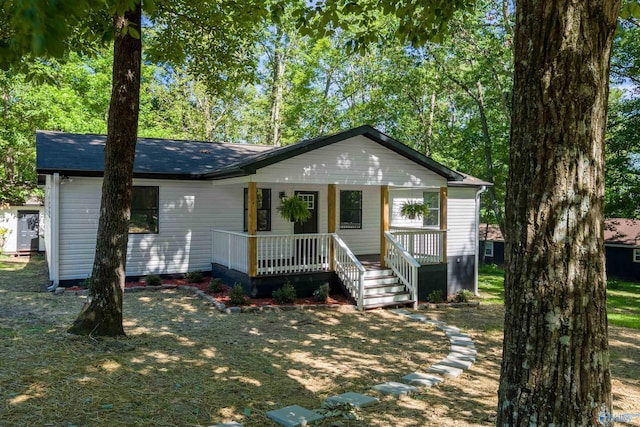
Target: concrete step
x,y
378,273
383,300
394,288
382,280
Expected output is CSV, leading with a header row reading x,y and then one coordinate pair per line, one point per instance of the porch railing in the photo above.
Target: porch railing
x,y
230,248
403,265
349,270
292,253
425,245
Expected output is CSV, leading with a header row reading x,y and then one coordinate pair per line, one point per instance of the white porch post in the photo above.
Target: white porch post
x,y
252,228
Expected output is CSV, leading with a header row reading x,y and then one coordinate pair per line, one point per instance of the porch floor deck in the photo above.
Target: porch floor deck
x,y
370,262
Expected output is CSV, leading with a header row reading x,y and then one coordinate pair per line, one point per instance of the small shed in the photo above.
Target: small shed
x,y
20,228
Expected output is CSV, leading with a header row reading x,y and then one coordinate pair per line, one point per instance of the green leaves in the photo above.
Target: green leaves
x,y
630,9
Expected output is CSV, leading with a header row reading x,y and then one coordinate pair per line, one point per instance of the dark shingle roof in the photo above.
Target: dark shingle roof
x,y
77,154
80,154
617,231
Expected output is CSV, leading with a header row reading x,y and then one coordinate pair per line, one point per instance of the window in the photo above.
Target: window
x,y
636,255
144,210
432,203
263,206
488,249
350,209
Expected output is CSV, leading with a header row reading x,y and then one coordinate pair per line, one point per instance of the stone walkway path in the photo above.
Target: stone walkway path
x,y
462,355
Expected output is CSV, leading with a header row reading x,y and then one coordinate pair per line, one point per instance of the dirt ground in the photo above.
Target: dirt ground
x,y
184,363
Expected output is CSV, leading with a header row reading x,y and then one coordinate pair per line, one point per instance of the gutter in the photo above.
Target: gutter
x,y
477,239
54,225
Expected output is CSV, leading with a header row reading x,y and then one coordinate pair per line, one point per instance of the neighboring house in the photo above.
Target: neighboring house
x,y
491,246
213,207
621,244
20,230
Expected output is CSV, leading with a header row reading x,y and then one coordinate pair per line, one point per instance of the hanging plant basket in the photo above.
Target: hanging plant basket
x,y
293,208
413,210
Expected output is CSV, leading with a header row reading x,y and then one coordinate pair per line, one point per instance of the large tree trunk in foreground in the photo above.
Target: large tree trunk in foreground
x,y
555,367
103,314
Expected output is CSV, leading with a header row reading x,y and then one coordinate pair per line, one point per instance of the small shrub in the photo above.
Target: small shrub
x,y
463,296
322,293
613,284
153,280
490,269
435,297
194,276
215,286
285,295
87,283
236,296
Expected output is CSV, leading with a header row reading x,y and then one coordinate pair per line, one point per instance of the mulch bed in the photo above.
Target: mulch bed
x,y
223,297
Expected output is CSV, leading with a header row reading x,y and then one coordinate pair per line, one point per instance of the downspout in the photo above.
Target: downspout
x,y
477,240
54,225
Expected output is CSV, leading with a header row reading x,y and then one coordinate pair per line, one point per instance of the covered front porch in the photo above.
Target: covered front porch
x,y
400,274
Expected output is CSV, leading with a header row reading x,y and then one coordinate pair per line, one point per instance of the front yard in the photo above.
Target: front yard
x,y
186,364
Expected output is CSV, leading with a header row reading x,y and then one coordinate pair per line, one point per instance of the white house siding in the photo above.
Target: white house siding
x,y
398,197
461,218
366,240
355,161
9,220
461,243
182,244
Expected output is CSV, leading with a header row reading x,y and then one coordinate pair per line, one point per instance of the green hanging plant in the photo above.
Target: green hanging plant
x,y
293,208
414,210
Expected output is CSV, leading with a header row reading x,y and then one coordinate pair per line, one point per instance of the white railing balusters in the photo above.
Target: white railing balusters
x,y
229,248
349,270
403,265
425,245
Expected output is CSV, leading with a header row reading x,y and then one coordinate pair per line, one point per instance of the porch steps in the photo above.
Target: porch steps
x,y
382,288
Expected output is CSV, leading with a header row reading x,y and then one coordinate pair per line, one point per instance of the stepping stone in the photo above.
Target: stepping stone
x,y
294,416
447,371
455,363
231,424
464,350
447,328
418,317
396,389
356,400
400,311
420,379
433,322
461,356
466,343
458,335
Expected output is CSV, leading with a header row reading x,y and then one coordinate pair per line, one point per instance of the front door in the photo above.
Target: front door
x,y
310,225
307,248
28,227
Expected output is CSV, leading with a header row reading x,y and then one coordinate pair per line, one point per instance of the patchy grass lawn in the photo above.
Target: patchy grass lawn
x,y
23,273
186,364
623,298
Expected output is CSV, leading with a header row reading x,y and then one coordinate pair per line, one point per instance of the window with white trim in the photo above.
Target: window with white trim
x,y
488,249
431,200
636,255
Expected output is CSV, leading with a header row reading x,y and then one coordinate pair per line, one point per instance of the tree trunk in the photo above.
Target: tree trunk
x,y
555,367
432,109
102,315
488,158
277,87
